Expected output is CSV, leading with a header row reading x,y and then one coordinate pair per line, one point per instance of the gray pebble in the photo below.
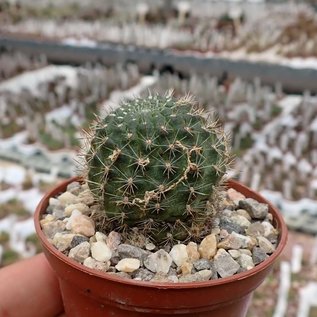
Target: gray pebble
x,y
214,271
163,277
266,245
241,221
258,255
80,253
202,264
58,212
111,269
77,239
256,229
200,276
254,208
273,238
122,274
115,258
50,209
74,188
229,225
231,242
242,212
225,265
130,251
53,227
143,275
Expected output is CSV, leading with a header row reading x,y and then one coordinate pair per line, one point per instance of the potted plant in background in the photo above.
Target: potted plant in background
x,y
152,227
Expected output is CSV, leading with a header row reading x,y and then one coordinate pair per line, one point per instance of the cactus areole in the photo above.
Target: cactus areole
x,y
155,164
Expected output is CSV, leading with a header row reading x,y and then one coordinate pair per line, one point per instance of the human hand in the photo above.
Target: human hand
x,y
30,288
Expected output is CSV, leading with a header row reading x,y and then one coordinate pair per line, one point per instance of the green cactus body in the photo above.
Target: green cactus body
x,y
155,164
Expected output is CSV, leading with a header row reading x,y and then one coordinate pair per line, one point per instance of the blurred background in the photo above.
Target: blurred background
x,y
253,62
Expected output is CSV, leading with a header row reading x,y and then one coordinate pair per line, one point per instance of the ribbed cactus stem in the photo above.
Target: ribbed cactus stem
x,y
154,164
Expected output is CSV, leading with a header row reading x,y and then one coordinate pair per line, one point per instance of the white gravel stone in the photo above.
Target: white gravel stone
x,y
81,224
101,237
172,278
246,262
62,241
97,265
84,209
241,221
245,251
47,218
68,198
128,265
69,220
86,197
234,253
80,252
54,202
268,228
179,254
159,261
100,251
150,246
204,275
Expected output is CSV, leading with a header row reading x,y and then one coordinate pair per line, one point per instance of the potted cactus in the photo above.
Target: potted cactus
x,y
151,227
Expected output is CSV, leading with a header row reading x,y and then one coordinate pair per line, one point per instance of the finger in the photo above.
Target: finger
x,y
29,288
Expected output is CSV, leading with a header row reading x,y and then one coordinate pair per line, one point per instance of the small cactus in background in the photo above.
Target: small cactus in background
x,y
155,164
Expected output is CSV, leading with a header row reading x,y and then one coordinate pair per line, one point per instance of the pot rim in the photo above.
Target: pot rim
x,y
162,285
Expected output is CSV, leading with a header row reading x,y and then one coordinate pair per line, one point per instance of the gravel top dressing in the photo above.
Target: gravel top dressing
x,y
242,237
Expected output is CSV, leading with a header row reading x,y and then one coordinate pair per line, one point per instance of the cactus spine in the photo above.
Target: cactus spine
x,y
155,164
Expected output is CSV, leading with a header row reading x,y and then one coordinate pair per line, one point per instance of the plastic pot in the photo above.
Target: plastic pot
x,y
87,292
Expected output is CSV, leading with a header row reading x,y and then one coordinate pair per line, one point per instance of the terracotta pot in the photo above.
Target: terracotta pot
x,y
91,293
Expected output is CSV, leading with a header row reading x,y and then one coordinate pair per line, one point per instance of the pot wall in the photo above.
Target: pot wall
x,y
86,291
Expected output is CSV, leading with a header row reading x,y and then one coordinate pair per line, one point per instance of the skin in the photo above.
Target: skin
x,y
30,288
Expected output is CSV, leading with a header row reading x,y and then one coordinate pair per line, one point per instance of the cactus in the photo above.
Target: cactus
x,y
155,164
